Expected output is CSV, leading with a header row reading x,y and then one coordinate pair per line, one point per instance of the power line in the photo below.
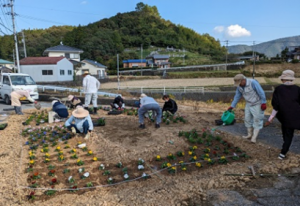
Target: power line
x,y
39,19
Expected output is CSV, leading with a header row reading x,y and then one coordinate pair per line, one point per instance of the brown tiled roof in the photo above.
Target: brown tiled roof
x,y
40,60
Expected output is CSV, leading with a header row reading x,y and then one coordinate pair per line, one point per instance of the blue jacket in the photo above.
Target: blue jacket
x,y
60,109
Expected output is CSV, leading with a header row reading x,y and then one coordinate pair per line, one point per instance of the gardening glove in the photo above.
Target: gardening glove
x,y
230,109
37,105
263,107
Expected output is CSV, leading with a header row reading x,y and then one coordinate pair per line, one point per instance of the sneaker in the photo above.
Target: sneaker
x,y
142,126
157,126
281,156
87,136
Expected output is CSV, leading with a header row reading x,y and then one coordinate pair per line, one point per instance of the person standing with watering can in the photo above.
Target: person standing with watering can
x,y
255,99
286,108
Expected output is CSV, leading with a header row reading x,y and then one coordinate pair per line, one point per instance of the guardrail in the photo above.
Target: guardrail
x,y
66,89
164,89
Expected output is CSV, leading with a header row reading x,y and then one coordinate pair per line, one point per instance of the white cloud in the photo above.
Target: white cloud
x,y
219,29
84,2
235,31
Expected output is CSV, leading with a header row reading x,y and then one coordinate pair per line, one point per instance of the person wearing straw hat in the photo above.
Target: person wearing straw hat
x,y
82,122
90,87
286,108
15,99
75,101
255,99
146,104
61,111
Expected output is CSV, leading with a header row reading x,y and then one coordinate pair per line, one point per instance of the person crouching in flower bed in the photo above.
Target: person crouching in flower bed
x,y
61,111
82,122
75,101
118,103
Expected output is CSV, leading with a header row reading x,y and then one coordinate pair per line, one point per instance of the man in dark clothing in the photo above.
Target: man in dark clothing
x,y
286,107
60,109
118,103
170,105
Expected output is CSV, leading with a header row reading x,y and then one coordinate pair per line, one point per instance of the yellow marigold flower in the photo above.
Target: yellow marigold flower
x,y
95,158
195,147
30,153
78,160
168,164
74,150
47,159
79,143
208,149
170,154
222,158
47,155
198,164
184,168
58,148
90,152
42,150
206,155
61,156
158,157
60,152
31,161
190,152
180,162
195,157
182,153
173,168
209,160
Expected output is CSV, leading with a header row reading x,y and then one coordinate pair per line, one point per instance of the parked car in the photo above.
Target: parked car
x,y
16,81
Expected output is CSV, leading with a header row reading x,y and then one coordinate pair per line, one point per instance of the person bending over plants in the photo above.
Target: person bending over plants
x,y
82,122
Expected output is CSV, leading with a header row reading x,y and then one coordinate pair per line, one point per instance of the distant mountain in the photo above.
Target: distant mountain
x,y
270,48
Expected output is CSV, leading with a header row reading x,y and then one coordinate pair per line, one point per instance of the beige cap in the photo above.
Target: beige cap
x,y
143,95
80,112
238,78
287,75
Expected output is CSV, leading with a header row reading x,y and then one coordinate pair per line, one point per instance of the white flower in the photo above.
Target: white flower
x,y
102,166
70,178
141,160
234,154
126,176
110,179
86,174
141,167
144,174
80,170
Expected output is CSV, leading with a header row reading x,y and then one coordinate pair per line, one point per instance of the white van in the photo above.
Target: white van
x,y
16,81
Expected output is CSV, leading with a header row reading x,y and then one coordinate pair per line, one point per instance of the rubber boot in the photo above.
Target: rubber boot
x,y
16,109
87,136
19,110
250,131
255,134
95,110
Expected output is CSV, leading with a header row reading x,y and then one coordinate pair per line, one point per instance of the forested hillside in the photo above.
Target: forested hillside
x,y
102,40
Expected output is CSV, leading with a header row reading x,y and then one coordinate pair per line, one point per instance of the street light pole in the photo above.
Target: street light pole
x,y
226,53
253,54
118,71
141,59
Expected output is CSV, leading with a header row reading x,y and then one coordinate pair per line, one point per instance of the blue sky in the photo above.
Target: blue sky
x,y
238,21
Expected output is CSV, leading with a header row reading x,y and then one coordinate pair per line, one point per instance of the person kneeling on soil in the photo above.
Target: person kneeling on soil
x,y
82,122
148,103
15,99
118,103
75,101
170,105
60,109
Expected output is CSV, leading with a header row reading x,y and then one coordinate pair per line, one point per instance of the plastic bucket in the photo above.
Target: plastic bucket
x,y
227,117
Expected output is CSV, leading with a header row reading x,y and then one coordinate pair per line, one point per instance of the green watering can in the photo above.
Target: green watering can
x,y
228,117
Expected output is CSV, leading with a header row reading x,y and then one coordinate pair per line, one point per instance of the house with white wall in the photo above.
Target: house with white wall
x,y
47,69
64,51
93,67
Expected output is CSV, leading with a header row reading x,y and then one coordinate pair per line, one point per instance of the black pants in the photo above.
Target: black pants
x,y
287,135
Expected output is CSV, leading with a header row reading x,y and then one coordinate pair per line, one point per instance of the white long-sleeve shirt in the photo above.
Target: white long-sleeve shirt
x,y
90,84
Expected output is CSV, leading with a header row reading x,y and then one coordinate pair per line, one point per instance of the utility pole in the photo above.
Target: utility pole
x,y
226,54
141,59
24,45
183,56
14,60
118,71
11,5
253,54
